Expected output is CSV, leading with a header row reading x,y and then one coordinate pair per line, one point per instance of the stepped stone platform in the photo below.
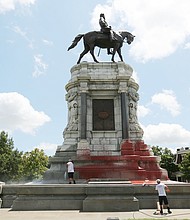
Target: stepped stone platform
x,y
105,196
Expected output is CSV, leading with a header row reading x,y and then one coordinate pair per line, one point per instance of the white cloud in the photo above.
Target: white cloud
x,y
47,42
135,76
25,2
48,148
167,100
187,45
142,111
9,5
23,34
40,66
18,30
6,5
160,27
16,113
166,135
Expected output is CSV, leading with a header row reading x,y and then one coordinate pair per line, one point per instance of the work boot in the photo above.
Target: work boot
x,y
161,211
169,211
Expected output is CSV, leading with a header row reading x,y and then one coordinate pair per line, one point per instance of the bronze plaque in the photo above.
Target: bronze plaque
x,y
103,114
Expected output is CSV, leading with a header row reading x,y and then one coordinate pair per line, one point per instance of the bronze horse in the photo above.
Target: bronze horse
x,y
102,40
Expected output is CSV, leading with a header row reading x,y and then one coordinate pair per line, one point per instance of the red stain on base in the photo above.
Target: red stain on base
x,y
135,163
141,182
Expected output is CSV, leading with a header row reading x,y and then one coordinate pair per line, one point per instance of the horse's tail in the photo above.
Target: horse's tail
x,y
75,41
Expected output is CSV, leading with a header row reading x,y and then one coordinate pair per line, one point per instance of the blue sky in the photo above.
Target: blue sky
x,y
35,65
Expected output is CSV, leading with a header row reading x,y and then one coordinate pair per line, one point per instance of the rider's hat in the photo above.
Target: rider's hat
x,y
101,15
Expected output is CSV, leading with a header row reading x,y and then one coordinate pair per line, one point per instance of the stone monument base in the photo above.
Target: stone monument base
x,y
134,162
103,136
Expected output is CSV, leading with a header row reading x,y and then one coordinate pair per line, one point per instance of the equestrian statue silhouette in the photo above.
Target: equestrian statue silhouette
x,y
106,38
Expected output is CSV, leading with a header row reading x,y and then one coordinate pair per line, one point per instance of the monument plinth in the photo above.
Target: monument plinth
x,y
103,136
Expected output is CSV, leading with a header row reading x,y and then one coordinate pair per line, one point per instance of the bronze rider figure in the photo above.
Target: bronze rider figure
x,y
105,28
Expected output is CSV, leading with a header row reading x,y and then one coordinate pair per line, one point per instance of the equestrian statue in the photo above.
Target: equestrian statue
x,y
105,38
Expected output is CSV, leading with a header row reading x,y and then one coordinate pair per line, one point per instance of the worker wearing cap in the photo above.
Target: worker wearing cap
x,y
162,188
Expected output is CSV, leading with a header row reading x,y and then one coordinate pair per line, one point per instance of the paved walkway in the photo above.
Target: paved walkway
x,y
6,214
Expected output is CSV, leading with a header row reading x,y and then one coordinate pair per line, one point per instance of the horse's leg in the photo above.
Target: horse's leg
x,y
85,51
113,54
109,51
119,53
92,53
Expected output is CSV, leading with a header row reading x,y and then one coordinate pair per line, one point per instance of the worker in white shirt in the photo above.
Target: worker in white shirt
x,y
70,171
162,188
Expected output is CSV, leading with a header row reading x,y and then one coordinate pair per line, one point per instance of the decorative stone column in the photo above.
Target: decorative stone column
x,y
83,116
83,148
124,116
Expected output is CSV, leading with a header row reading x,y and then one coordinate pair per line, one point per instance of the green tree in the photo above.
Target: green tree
x,y
167,159
158,151
35,163
184,167
10,159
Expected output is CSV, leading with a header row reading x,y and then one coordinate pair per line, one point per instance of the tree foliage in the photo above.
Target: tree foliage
x,y
10,159
35,164
185,166
167,159
19,166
